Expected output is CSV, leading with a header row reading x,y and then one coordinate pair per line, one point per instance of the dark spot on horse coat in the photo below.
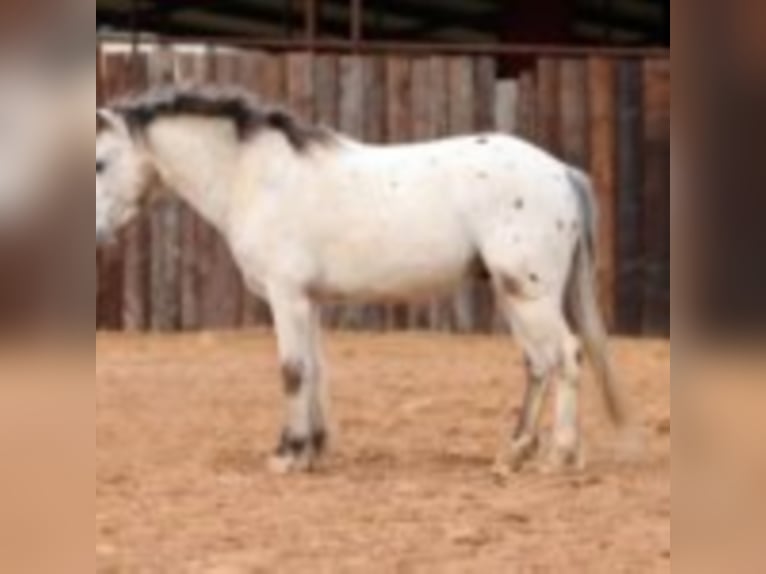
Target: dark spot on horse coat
x,y
527,363
512,286
319,440
477,269
290,445
317,291
519,204
482,141
535,376
292,375
534,277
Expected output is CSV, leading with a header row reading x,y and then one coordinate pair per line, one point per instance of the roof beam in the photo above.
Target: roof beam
x,y
401,19
383,19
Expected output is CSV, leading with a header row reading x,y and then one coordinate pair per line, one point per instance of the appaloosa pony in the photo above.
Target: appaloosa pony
x,y
313,216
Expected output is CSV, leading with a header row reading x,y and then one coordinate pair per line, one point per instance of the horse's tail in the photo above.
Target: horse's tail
x,y
582,301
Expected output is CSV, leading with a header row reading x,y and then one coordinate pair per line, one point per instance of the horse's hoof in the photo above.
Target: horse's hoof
x,y
520,452
295,455
289,464
564,460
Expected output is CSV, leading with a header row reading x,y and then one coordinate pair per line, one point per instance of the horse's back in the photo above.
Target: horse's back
x,y
462,151
514,201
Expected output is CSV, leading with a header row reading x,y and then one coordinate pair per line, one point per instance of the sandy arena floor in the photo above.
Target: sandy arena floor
x,y
184,424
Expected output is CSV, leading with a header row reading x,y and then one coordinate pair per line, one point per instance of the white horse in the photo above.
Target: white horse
x,y
313,216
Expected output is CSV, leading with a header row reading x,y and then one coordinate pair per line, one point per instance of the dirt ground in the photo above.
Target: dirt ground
x,y
184,425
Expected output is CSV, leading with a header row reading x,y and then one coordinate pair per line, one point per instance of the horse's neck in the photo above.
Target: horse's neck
x,y
197,158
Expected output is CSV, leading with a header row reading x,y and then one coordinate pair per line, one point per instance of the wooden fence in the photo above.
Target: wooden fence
x,y
608,116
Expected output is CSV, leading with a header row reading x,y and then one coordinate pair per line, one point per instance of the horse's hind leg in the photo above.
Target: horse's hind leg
x,y
552,355
525,441
304,435
567,447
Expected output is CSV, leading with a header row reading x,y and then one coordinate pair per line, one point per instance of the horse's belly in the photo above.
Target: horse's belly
x,y
394,265
391,284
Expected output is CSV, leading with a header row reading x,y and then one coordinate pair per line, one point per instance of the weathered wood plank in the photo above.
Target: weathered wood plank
x,y
352,119
327,68
603,111
506,106
300,84
527,107
630,244
265,74
574,113
374,96
420,104
657,196
548,108
399,109
462,93
485,88
437,94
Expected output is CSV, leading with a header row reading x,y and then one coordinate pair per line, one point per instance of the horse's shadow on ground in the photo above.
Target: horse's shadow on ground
x,y
247,462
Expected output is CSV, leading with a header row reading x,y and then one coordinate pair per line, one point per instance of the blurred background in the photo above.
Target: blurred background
x,y
588,80
47,73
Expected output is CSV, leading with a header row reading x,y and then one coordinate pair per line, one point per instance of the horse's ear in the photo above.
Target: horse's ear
x,y
106,121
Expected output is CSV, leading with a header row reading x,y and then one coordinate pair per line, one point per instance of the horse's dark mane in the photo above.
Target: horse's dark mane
x,y
248,116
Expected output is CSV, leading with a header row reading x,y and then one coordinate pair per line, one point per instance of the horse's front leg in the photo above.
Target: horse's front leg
x,y
304,436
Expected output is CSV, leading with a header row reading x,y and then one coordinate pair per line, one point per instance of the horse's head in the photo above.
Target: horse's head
x,y
123,174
